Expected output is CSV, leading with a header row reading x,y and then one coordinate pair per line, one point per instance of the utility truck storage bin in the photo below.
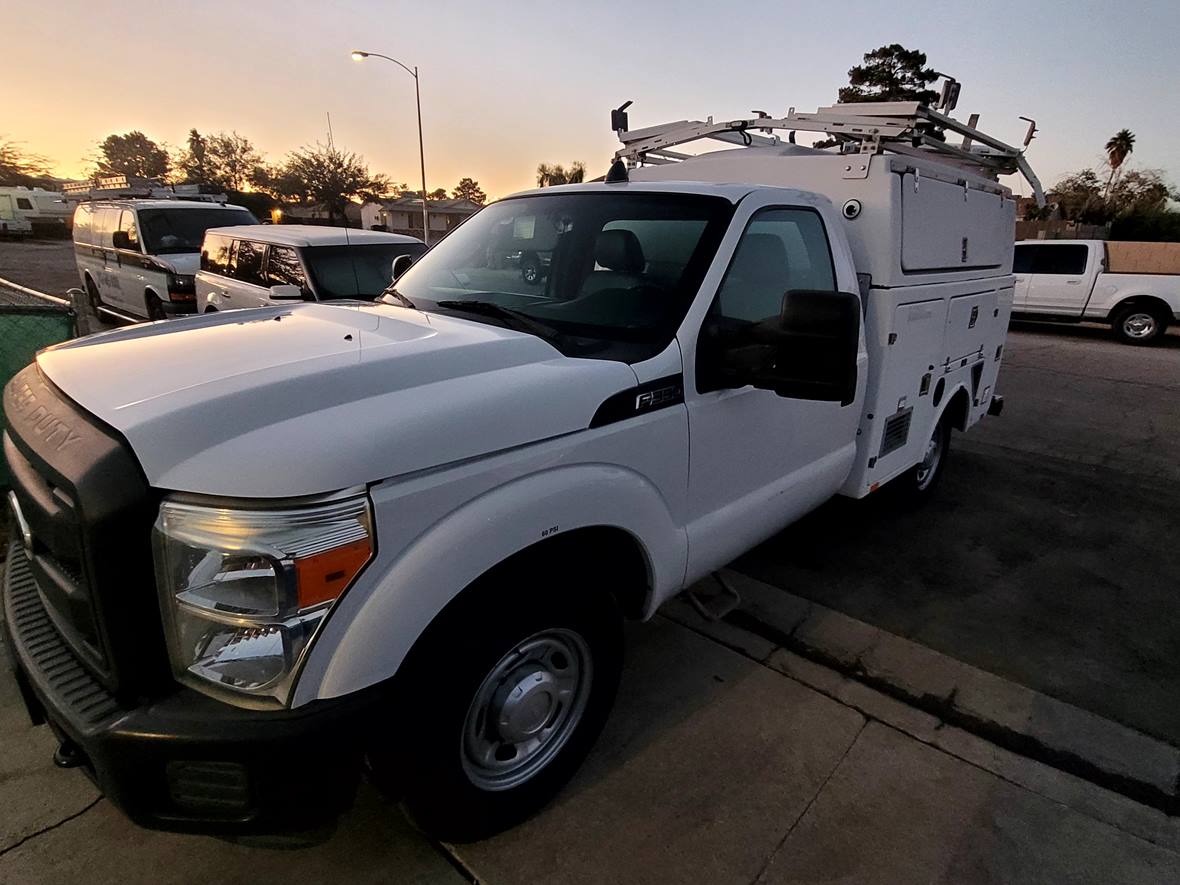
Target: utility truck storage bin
x,y
950,225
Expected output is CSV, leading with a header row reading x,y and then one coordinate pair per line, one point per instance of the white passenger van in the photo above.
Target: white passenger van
x,y
139,256
261,264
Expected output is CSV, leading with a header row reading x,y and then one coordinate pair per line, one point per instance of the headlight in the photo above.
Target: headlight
x,y
243,591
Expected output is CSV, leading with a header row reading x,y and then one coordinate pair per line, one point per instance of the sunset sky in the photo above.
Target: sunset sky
x,y
506,86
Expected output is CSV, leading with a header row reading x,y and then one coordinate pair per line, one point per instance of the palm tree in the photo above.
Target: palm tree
x,y
1120,146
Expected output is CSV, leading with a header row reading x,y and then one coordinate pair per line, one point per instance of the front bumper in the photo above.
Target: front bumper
x,y
185,761
179,308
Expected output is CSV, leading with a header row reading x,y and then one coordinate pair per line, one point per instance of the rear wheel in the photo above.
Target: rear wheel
x,y
1136,324
917,484
501,702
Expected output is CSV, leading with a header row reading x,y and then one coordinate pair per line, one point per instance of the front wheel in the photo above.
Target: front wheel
x,y
1139,325
502,701
155,307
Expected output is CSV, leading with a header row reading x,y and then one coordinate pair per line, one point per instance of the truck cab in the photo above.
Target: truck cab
x,y
411,530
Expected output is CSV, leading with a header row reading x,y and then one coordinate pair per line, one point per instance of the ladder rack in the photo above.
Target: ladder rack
x,y
131,187
900,127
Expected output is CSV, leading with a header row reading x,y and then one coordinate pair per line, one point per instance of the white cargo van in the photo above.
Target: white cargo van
x,y
1084,280
408,532
262,264
140,256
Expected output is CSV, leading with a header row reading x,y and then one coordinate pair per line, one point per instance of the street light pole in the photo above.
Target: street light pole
x,y
361,55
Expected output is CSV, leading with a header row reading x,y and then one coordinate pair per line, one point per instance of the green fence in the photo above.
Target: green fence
x,y
25,329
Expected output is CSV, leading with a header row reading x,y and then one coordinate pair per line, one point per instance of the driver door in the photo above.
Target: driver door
x,y
759,460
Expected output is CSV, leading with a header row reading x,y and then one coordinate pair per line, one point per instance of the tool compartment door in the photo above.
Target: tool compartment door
x,y
947,226
969,325
912,364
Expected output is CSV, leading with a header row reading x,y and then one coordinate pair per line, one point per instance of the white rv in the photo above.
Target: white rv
x,y
408,532
12,222
47,211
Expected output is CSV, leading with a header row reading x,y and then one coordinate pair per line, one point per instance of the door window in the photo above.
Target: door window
x,y
781,249
248,263
1065,260
127,225
215,254
284,268
23,203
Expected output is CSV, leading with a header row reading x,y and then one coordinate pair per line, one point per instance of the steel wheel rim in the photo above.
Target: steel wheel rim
x,y
1139,325
530,274
526,709
930,460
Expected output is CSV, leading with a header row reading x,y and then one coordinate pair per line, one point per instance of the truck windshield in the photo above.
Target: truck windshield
x,y
611,273
171,231
355,271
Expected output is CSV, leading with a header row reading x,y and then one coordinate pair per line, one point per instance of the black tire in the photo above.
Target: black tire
x,y
93,293
155,307
1139,324
916,486
424,745
530,269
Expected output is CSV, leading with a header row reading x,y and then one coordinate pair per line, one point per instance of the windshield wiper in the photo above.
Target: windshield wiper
x,y
513,319
397,296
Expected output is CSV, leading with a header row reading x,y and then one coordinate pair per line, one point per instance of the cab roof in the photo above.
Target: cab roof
x,y
311,235
731,191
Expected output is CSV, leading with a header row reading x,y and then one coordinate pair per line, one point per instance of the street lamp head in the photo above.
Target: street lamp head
x,y
358,55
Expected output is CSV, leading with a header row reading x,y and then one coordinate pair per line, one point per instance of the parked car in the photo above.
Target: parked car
x,y
1075,280
407,532
261,264
140,256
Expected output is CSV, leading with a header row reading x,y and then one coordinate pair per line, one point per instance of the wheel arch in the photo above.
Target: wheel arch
x,y
957,408
613,518
1160,306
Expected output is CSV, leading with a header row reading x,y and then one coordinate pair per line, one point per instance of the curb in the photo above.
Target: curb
x,y
774,626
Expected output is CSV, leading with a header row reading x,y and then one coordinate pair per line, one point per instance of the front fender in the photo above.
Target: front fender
x,y
376,623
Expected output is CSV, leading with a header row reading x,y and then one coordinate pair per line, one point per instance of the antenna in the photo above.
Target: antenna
x,y
329,116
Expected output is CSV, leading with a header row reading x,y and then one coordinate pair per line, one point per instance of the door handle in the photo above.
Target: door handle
x,y
1073,282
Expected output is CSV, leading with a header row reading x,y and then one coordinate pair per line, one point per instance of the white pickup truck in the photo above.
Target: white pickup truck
x,y
1068,281
409,531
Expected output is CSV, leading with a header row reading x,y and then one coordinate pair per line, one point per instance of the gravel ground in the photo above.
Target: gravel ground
x,y
45,265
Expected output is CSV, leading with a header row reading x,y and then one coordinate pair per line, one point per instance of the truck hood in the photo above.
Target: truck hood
x,y
312,398
180,262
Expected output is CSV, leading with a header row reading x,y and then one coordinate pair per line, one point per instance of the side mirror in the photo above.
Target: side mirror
x,y
121,240
401,264
807,352
286,292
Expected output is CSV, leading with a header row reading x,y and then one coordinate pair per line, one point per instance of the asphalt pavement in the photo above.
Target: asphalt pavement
x,y
1051,552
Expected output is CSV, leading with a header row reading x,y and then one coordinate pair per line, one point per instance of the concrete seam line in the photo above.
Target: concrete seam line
x,y
806,808
44,830
457,863
996,771
1140,788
